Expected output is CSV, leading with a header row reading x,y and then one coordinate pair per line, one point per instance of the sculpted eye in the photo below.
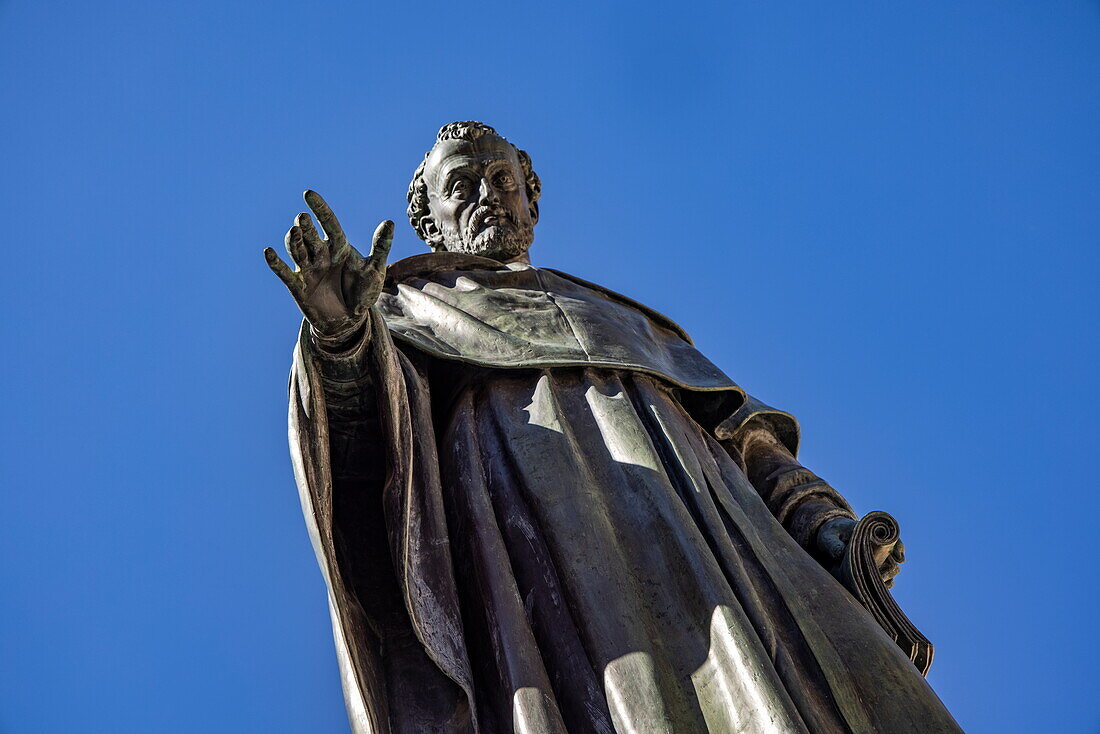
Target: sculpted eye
x,y
504,180
461,187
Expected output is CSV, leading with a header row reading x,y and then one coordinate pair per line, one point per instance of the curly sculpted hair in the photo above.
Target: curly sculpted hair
x,y
471,130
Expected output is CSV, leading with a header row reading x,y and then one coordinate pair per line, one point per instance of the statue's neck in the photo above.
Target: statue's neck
x,y
524,259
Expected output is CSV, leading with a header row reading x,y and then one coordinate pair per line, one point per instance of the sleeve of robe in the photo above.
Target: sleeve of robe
x,y
362,443
765,442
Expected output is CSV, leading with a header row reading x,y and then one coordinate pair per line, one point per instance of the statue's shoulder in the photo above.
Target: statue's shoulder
x,y
657,316
427,266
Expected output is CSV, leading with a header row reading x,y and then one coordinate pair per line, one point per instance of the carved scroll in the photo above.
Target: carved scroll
x,y
873,537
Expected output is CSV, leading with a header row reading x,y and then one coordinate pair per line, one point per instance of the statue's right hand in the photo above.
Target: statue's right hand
x,y
334,285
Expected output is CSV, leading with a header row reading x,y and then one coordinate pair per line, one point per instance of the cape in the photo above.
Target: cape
x,y
475,310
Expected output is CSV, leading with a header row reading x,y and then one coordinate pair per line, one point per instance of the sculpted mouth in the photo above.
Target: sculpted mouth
x,y
485,218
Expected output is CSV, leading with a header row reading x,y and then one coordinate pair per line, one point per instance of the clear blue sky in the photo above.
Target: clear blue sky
x,y
883,217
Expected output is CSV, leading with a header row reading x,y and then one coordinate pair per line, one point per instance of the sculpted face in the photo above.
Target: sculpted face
x,y
478,198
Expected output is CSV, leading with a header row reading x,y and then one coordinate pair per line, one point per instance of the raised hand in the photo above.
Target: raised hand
x,y
334,285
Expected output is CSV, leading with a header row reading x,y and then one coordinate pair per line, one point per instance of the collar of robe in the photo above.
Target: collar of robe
x,y
479,311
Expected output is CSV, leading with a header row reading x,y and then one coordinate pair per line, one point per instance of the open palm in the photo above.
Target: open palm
x,y
334,285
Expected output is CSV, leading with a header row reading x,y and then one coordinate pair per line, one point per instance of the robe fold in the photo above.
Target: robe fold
x,y
539,509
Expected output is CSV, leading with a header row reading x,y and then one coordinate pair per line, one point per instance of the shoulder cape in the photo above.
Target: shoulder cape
x,y
475,310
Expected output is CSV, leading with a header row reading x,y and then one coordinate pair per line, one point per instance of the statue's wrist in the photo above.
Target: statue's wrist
x,y
342,342
838,524
831,539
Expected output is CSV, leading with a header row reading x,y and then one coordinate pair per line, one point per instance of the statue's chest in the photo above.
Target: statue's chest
x,y
535,318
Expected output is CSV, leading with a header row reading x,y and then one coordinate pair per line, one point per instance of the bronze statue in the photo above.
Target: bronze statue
x,y
539,509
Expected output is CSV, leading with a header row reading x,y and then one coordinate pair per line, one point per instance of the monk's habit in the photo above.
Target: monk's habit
x,y
537,509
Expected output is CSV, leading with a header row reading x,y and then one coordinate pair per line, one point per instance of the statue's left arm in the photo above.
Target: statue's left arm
x,y
765,442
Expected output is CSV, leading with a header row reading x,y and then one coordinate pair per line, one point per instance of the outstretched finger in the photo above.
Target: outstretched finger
x,y
281,269
325,216
315,248
380,246
297,247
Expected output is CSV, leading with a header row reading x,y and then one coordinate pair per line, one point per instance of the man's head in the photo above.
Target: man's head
x,y
475,192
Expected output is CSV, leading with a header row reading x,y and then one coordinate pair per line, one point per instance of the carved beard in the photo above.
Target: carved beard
x,y
502,241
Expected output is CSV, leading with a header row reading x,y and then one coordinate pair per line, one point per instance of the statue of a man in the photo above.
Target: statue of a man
x,y
539,509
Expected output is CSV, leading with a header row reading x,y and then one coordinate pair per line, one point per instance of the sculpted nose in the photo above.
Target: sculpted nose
x,y
487,194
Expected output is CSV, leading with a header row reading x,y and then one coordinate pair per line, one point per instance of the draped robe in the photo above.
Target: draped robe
x,y
539,509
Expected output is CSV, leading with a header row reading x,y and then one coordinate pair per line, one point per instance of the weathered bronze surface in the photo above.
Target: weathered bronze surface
x,y
539,509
